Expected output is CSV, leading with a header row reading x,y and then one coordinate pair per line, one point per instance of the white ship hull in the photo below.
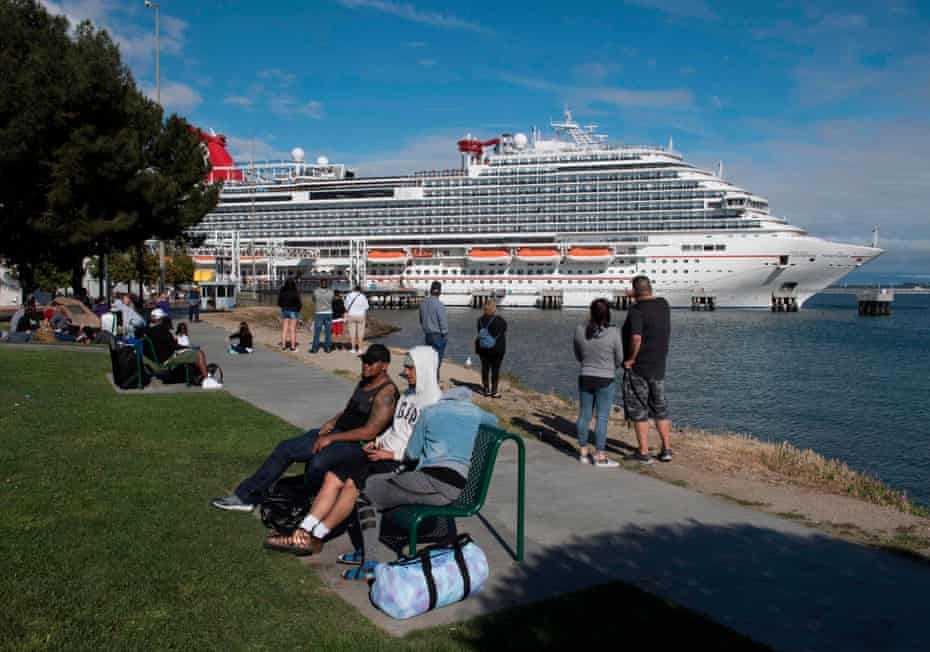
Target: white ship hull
x,y
746,274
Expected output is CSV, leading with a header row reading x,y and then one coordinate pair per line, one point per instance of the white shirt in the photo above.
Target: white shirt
x,y
395,438
184,340
356,304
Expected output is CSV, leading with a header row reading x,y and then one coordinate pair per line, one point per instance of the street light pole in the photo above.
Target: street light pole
x,y
161,243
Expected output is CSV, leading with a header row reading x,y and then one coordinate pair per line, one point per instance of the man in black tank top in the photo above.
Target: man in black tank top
x,y
368,413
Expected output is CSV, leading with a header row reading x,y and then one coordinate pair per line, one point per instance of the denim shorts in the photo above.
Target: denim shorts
x,y
643,399
290,314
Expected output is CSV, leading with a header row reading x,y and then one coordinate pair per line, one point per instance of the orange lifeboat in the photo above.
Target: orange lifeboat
x,y
530,255
585,255
489,256
422,253
392,256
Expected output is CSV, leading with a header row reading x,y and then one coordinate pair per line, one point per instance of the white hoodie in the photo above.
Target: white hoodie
x,y
411,403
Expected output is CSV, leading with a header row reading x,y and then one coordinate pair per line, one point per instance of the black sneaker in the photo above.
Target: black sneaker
x,y
639,457
665,455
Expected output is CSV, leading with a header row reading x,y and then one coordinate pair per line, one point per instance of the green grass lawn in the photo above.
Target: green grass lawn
x,y
107,541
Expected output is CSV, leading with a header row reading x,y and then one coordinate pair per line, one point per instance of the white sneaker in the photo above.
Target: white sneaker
x,y
606,463
586,459
210,383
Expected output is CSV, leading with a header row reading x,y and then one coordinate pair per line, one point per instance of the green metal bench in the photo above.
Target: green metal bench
x,y
487,443
157,368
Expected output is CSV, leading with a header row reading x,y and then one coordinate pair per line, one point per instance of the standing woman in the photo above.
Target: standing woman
x,y
290,304
356,314
490,345
599,349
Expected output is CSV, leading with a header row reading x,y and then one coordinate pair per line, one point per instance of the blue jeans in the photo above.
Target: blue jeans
x,y
298,449
438,342
601,400
193,312
322,321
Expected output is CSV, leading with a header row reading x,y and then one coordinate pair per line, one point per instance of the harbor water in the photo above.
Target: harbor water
x,y
850,387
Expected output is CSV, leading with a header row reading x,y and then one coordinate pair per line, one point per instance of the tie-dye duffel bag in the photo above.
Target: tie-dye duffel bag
x,y
435,577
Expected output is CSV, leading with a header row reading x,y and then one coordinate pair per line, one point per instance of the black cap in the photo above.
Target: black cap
x,y
376,353
435,288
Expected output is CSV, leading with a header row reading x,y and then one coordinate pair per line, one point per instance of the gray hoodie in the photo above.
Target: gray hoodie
x,y
601,355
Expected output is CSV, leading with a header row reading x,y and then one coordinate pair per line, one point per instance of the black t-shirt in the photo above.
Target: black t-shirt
x,y
162,341
651,320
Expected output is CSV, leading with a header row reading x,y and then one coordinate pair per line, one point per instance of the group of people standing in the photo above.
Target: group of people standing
x,y
640,350
333,315
490,340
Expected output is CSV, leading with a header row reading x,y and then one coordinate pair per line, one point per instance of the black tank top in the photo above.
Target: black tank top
x,y
359,406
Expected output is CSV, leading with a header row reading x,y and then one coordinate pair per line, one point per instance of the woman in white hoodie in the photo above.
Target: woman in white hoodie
x,y
336,499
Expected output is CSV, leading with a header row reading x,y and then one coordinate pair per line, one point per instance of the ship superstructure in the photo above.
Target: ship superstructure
x,y
525,217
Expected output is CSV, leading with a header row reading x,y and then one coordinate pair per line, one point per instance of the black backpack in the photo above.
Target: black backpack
x,y
286,504
128,370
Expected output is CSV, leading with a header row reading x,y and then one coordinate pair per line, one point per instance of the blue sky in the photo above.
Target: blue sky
x,y
821,107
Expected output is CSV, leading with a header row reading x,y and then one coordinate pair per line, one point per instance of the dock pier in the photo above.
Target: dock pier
x,y
550,300
703,302
396,299
785,300
875,302
622,300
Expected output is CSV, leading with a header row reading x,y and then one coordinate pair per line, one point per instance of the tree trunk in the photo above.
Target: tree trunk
x,y
27,279
101,272
140,268
77,277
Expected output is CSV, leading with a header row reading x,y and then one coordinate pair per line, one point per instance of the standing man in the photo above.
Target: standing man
x,y
193,304
434,321
323,319
646,334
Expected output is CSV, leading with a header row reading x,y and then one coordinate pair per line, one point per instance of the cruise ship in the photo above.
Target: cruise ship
x,y
523,218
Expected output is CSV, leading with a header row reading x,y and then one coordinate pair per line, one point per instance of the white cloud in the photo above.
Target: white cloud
x,y
595,72
678,8
244,150
175,96
840,178
409,12
278,76
289,105
135,44
427,152
674,98
238,100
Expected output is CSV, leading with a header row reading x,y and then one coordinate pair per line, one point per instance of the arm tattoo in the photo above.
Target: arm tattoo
x,y
383,410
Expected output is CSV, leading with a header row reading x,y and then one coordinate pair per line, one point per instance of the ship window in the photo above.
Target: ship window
x,y
720,247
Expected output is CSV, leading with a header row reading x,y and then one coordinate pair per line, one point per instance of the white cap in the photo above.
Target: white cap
x,y
158,313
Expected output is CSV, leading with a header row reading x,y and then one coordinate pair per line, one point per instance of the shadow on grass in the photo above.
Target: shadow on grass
x,y
789,591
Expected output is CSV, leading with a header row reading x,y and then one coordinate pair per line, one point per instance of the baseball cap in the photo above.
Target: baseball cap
x,y
376,353
158,313
435,288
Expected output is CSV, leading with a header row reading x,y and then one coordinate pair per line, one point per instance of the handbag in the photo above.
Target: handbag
x,y
437,576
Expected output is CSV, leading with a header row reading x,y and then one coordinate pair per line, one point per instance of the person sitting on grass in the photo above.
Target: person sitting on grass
x,y
171,354
336,500
367,414
244,335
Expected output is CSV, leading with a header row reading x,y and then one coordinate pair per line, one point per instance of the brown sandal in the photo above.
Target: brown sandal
x,y
300,543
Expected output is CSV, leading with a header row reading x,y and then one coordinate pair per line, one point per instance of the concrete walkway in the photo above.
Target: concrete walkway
x,y
779,583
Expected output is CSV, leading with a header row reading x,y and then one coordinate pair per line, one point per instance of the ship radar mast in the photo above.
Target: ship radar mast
x,y
582,136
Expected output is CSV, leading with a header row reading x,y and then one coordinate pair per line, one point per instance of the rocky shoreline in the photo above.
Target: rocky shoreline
x,y
774,478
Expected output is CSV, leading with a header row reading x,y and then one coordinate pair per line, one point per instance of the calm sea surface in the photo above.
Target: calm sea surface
x,y
850,387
